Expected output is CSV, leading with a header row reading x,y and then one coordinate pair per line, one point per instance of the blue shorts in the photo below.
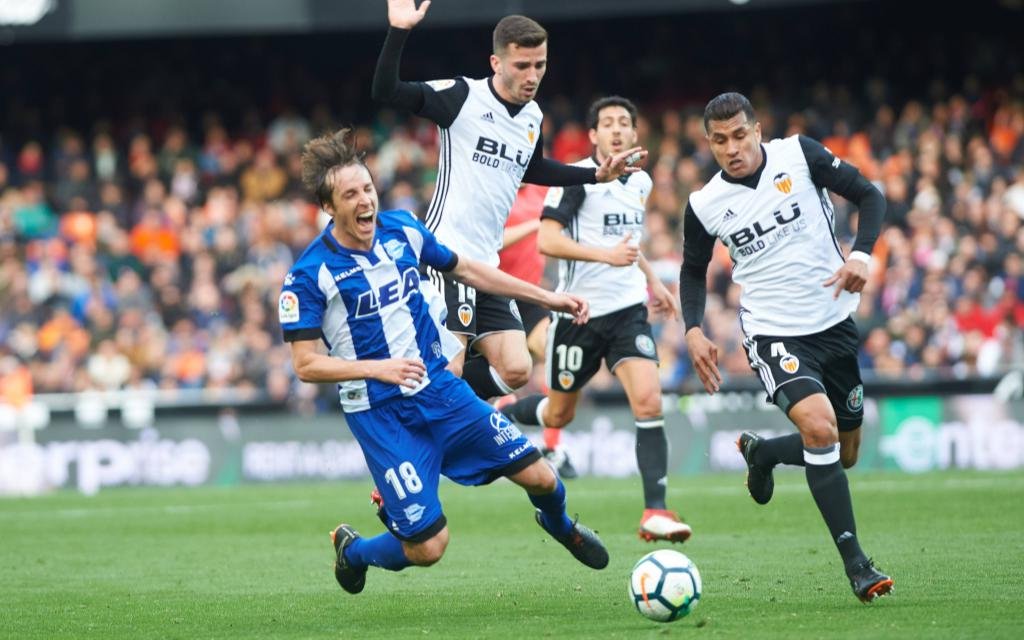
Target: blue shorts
x,y
409,442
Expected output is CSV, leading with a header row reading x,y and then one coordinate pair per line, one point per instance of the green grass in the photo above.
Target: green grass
x,y
255,562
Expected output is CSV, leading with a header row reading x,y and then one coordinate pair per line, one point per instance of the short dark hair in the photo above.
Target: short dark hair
x,y
594,112
520,31
725,106
322,156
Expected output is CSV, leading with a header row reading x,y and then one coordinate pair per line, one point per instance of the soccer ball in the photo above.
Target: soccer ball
x,y
665,585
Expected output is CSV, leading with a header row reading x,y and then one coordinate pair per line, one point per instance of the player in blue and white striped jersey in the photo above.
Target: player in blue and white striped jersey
x,y
357,289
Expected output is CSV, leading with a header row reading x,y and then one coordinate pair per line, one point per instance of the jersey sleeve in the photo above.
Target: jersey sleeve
x,y
443,100
563,203
300,308
429,250
843,178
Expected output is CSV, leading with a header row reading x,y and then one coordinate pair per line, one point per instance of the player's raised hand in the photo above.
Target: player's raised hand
x,y
663,303
570,303
852,277
624,253
621,163
704,355
403,14
406,372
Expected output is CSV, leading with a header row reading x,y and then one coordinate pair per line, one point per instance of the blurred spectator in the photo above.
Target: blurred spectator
x,y
146,250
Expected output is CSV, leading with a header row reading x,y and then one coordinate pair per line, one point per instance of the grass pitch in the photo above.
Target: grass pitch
x,y
255,562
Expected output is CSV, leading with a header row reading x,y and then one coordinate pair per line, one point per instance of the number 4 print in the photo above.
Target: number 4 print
x,y
779,350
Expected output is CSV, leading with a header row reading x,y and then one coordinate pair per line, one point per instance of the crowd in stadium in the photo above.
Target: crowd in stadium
x,y
150,253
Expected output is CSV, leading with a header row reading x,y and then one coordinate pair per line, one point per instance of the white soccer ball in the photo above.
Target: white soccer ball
x,y
665,585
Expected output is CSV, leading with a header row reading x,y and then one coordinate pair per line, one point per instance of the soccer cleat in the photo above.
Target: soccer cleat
x,y
559,459
868,582
760,482
351,579
582,543
662,524
378,500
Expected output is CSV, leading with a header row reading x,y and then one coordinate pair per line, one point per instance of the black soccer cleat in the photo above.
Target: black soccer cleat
x,y
760,481
868,582
582,543
351,579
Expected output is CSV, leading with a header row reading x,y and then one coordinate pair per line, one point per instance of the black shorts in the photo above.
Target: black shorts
x,y
794,367
531,314
475,313
575,351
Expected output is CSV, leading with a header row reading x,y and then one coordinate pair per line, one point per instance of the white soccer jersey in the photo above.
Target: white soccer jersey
x,y
781,236
600,215
484,154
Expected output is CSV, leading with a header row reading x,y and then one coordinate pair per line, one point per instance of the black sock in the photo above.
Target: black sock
x,y
831,490
788,449
477,372
524,410
652,459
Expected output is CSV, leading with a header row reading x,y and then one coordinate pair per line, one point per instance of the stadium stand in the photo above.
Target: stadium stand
x,y
146,226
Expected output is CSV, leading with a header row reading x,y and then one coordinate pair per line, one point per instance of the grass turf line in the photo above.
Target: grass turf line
x,y
255,562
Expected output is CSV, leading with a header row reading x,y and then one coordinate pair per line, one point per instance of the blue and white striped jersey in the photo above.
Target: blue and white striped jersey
x,y
372,305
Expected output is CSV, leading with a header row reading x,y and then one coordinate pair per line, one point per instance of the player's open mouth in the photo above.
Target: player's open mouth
x,y
365,220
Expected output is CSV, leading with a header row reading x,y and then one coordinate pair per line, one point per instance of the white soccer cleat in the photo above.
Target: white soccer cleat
x,y
559,459
662,524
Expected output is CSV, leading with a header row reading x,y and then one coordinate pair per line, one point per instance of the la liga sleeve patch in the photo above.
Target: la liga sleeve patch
x,y
288,307
553,197
440,85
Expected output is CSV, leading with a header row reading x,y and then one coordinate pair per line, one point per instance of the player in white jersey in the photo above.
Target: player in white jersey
x,y
770,207
357,290
490,142
594,231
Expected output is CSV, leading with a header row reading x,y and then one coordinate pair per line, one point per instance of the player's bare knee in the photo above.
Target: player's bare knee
x,y
545,481
647,406
428,552
515,374
538,479
819,431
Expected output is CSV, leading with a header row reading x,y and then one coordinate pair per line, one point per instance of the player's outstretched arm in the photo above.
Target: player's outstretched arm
x,y
312,366
552,173
552,242
486,278
387,88
620,164
403,14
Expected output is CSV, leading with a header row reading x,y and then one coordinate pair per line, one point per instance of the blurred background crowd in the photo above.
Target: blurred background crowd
x,y
150,200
